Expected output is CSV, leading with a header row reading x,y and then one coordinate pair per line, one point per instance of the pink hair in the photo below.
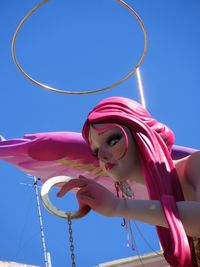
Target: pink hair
x,y
154,142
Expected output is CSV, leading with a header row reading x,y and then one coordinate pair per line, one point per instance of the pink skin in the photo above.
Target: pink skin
x,y
154,141
109,146
92,194
117,158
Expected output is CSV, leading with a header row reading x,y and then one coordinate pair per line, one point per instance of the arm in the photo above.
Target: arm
x,y
105,203
151,212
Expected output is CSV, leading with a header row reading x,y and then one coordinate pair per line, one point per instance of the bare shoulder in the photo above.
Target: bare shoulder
x,y
188,170
192,166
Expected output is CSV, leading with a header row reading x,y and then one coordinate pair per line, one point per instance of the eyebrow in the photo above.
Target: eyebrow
x,y
103,132
100,132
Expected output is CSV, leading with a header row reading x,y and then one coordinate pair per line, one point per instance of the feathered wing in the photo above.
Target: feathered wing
x,y
51,154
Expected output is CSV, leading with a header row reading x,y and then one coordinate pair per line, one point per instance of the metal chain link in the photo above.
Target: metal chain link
x,y
71,241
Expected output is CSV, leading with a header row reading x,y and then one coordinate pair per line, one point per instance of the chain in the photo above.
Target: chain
x,y
71,241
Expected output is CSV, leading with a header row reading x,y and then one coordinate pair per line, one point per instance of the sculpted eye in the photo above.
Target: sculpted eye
x,y
95,153
113,139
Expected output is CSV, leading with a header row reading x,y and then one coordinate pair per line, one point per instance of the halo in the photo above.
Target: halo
x,y
51,208
79,92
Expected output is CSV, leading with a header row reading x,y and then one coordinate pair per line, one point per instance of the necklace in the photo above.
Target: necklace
x,y
125,188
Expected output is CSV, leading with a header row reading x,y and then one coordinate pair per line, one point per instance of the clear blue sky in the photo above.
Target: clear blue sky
x,y
78,45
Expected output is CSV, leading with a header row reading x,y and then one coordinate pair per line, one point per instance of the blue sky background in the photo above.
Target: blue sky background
x,y
80,45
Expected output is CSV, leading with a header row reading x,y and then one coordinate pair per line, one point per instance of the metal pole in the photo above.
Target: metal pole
x,y
140,87
41,224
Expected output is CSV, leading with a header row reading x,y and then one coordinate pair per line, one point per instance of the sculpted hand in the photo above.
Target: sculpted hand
x,y
92,194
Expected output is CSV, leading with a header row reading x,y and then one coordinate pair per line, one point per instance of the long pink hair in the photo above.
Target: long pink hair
x,y
154,142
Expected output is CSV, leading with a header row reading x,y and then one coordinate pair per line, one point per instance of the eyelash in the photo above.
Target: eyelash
x,y
95,153
111,138
114,137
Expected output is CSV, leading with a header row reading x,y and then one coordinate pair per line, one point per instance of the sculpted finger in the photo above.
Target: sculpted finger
x,y
81,177
74,183
85,192
86,200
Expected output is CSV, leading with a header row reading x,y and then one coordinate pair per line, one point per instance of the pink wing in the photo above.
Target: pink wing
x,y
50,154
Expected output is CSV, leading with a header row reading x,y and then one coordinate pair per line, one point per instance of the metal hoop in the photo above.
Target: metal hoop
x,y
79,92
51,208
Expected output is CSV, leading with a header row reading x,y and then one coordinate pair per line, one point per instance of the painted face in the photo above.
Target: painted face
x,y
108,144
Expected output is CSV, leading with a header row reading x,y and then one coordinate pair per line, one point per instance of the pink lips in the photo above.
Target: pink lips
x,y
109,166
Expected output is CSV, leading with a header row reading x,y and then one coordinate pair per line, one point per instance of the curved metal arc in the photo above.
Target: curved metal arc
x,y
15,37
78,92
53,209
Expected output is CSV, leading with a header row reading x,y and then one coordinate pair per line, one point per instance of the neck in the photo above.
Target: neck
x,y
138,176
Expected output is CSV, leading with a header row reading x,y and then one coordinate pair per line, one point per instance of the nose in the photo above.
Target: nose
x,y
104,154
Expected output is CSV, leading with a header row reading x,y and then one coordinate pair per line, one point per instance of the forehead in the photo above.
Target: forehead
x,y
101,130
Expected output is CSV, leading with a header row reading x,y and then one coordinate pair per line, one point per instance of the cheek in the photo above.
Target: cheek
x,y
101,165
119,149
132,155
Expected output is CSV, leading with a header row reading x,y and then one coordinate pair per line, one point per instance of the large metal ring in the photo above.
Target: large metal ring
x,y
44,86
51,208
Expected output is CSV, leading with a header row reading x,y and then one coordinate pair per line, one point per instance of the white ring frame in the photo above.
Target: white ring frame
x,y
54,210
